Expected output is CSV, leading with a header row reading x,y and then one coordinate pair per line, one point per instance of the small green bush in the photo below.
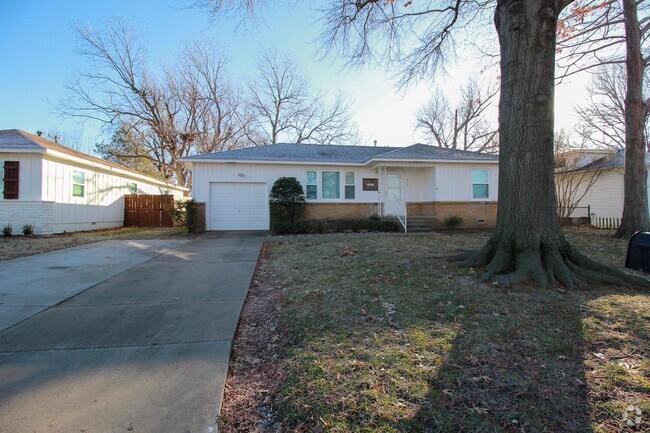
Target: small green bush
x,y
287,201
28,229
355,225
453,222
7,230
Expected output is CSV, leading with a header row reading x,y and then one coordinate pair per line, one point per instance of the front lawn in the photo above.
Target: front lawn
x,y
378,334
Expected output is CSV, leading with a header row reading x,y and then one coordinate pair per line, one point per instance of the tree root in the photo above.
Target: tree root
x,y
544,262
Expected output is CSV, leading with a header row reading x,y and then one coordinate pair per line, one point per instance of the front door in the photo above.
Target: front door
x,y
393,193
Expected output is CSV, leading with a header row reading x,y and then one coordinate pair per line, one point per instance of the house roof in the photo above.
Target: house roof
x,y
612,160
340,154
17,140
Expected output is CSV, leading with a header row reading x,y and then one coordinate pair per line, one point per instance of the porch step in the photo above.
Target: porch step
x,y
418,224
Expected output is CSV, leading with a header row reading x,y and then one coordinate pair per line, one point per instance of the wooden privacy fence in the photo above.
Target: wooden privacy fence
x,y
148,210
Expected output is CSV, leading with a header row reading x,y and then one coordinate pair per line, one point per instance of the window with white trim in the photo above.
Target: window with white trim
x,y
480,183
349,185
312,185
78,184
331,184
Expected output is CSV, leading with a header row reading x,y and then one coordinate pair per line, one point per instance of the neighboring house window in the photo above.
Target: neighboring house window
x,y
10,180
78,183
480,184
331,184
349,186
133,188
312,186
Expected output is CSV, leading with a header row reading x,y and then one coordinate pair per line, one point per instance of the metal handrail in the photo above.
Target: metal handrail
x,y
398,205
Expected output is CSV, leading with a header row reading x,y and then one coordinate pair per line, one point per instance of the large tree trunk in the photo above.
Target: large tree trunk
x,y
635,203
528,243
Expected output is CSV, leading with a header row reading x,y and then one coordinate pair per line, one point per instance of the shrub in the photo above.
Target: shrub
x,y
453,222
287,201
28,229
186,213
334,226
7,230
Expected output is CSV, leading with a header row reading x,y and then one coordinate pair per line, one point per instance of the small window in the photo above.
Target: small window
x,y
133,188
331,184
312,187
10,180
349,186
480,184
78,184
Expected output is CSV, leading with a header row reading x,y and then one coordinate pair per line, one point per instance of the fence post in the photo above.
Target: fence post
x,y
589,213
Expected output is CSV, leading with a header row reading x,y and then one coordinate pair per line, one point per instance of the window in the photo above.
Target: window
x,y
480,184
312,187
78,183
349,185
331,184
10,180
133,188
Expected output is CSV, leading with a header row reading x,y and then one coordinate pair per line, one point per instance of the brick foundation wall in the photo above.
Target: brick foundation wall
x,y
21,212
340,210
470,211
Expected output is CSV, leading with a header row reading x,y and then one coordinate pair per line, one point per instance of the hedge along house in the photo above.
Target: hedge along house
x,y
58,189
414,183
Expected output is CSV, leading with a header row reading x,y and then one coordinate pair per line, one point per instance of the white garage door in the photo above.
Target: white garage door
x,y
239,206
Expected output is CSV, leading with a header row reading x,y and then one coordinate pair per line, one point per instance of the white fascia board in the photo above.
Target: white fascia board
x,y
260,161
109,168
434,161
21,150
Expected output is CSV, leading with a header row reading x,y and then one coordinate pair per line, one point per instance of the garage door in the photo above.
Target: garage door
x,y
239,206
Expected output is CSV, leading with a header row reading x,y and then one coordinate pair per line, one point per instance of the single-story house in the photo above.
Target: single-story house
x,y
418,183
604,197
58,189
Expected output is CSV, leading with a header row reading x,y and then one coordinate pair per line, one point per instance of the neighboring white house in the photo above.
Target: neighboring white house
x,y
419,181
604,197
58,189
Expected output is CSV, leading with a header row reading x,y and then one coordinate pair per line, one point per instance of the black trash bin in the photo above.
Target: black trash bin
x,y
638,252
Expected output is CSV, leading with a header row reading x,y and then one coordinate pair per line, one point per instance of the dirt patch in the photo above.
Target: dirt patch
x,y
20,246
254,374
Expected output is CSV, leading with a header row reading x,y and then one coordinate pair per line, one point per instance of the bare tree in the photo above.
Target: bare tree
x,y
188,108
635,200
603,117
465,126
575,175
284,107
604,114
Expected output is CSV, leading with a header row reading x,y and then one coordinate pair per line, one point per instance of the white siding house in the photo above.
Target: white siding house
x,y
604,198
58,189
346,181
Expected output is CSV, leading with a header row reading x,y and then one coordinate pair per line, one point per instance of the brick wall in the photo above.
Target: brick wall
x,y
470,211
340,210
20,212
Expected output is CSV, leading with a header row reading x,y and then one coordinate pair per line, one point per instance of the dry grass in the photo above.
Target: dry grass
x,y
378,334
20,246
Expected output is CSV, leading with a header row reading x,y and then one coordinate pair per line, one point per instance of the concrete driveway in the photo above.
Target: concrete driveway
x,y
145,350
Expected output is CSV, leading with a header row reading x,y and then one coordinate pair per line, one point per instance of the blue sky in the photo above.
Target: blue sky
x,y
37,48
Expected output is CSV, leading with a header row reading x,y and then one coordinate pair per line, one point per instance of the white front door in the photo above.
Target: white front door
x,y
393,193
238,206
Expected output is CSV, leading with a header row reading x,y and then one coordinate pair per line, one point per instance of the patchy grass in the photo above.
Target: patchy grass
x,y
20,246
379,334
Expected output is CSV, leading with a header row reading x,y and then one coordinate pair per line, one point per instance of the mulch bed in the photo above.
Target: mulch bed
x,y
253,375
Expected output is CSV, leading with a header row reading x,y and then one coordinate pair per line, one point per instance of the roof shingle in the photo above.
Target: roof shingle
x,y
341,154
